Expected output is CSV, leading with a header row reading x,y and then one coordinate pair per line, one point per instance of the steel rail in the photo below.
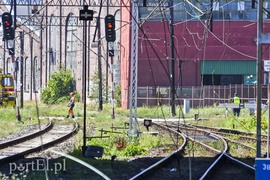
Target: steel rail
x,y
218,158
21,155
224,154
163,160
179,150
27,137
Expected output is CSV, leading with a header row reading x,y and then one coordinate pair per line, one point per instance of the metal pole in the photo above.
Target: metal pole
x,y
172,75
84,91
100,107
40,59
259,77
31,66
133,71
15,89
107,62
112,87
85,15
60,42
21,67
88,60
15,14
46,45
4,59
268,129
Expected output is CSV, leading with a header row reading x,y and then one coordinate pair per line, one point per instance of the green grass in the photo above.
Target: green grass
x,y
120,144
208,116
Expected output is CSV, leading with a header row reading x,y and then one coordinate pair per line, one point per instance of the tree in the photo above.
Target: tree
x,y
59,86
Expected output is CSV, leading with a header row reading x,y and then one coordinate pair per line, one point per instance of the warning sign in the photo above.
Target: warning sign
x,y
266,66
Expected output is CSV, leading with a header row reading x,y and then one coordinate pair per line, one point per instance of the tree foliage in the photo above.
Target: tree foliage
x,y
95,90
61,83
95,87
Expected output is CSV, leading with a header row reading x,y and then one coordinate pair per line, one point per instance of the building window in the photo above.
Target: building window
x,y
8,66
52,45
18,70
36,74
195,10
27,74
71,43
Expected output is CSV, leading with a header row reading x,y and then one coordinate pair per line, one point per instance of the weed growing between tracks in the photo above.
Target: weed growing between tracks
x,y
117,144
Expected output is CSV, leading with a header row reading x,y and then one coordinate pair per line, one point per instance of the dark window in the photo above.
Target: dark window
x,y
222,79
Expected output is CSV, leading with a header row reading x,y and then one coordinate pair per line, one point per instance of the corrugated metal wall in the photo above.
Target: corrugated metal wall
x,y
243,67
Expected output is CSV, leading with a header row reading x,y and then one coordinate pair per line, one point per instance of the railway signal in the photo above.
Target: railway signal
x,y
110,38
8,30
110,28
9,35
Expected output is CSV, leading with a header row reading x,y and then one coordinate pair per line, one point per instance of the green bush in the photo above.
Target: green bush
x,y
59,86
117,95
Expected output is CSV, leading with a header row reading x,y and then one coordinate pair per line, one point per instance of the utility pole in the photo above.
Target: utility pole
x,y
268,128
259,76
60,42
111,54
107,62
21,67
15,15
133,129
100,92
172,75
262,38
85,15
100,105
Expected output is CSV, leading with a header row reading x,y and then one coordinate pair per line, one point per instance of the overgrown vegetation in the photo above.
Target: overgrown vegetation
x,y
118,143
95,87
61,83
117,95
95,90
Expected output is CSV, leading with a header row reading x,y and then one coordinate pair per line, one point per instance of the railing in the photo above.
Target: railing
x,y
198,96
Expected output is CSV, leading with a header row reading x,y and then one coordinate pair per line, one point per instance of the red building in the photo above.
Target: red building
x,y
219,53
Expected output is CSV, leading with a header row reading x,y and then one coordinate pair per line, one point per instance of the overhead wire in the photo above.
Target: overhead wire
x,y
243,125
37,108
192,145
159,104
145,36
156,54
180,106
151,46
164,18
169,7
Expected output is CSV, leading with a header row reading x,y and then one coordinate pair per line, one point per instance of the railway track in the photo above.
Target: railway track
x,y
214,161
217,164
247,136
240,138
52,134
165,160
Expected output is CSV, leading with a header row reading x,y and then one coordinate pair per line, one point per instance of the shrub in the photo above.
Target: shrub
x,y
95,87
117,95
59,86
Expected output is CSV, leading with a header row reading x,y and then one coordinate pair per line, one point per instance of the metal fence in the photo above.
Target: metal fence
x,y
198,96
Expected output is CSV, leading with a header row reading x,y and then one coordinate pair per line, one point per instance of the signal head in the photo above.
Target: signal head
x,y
109,28
8,30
